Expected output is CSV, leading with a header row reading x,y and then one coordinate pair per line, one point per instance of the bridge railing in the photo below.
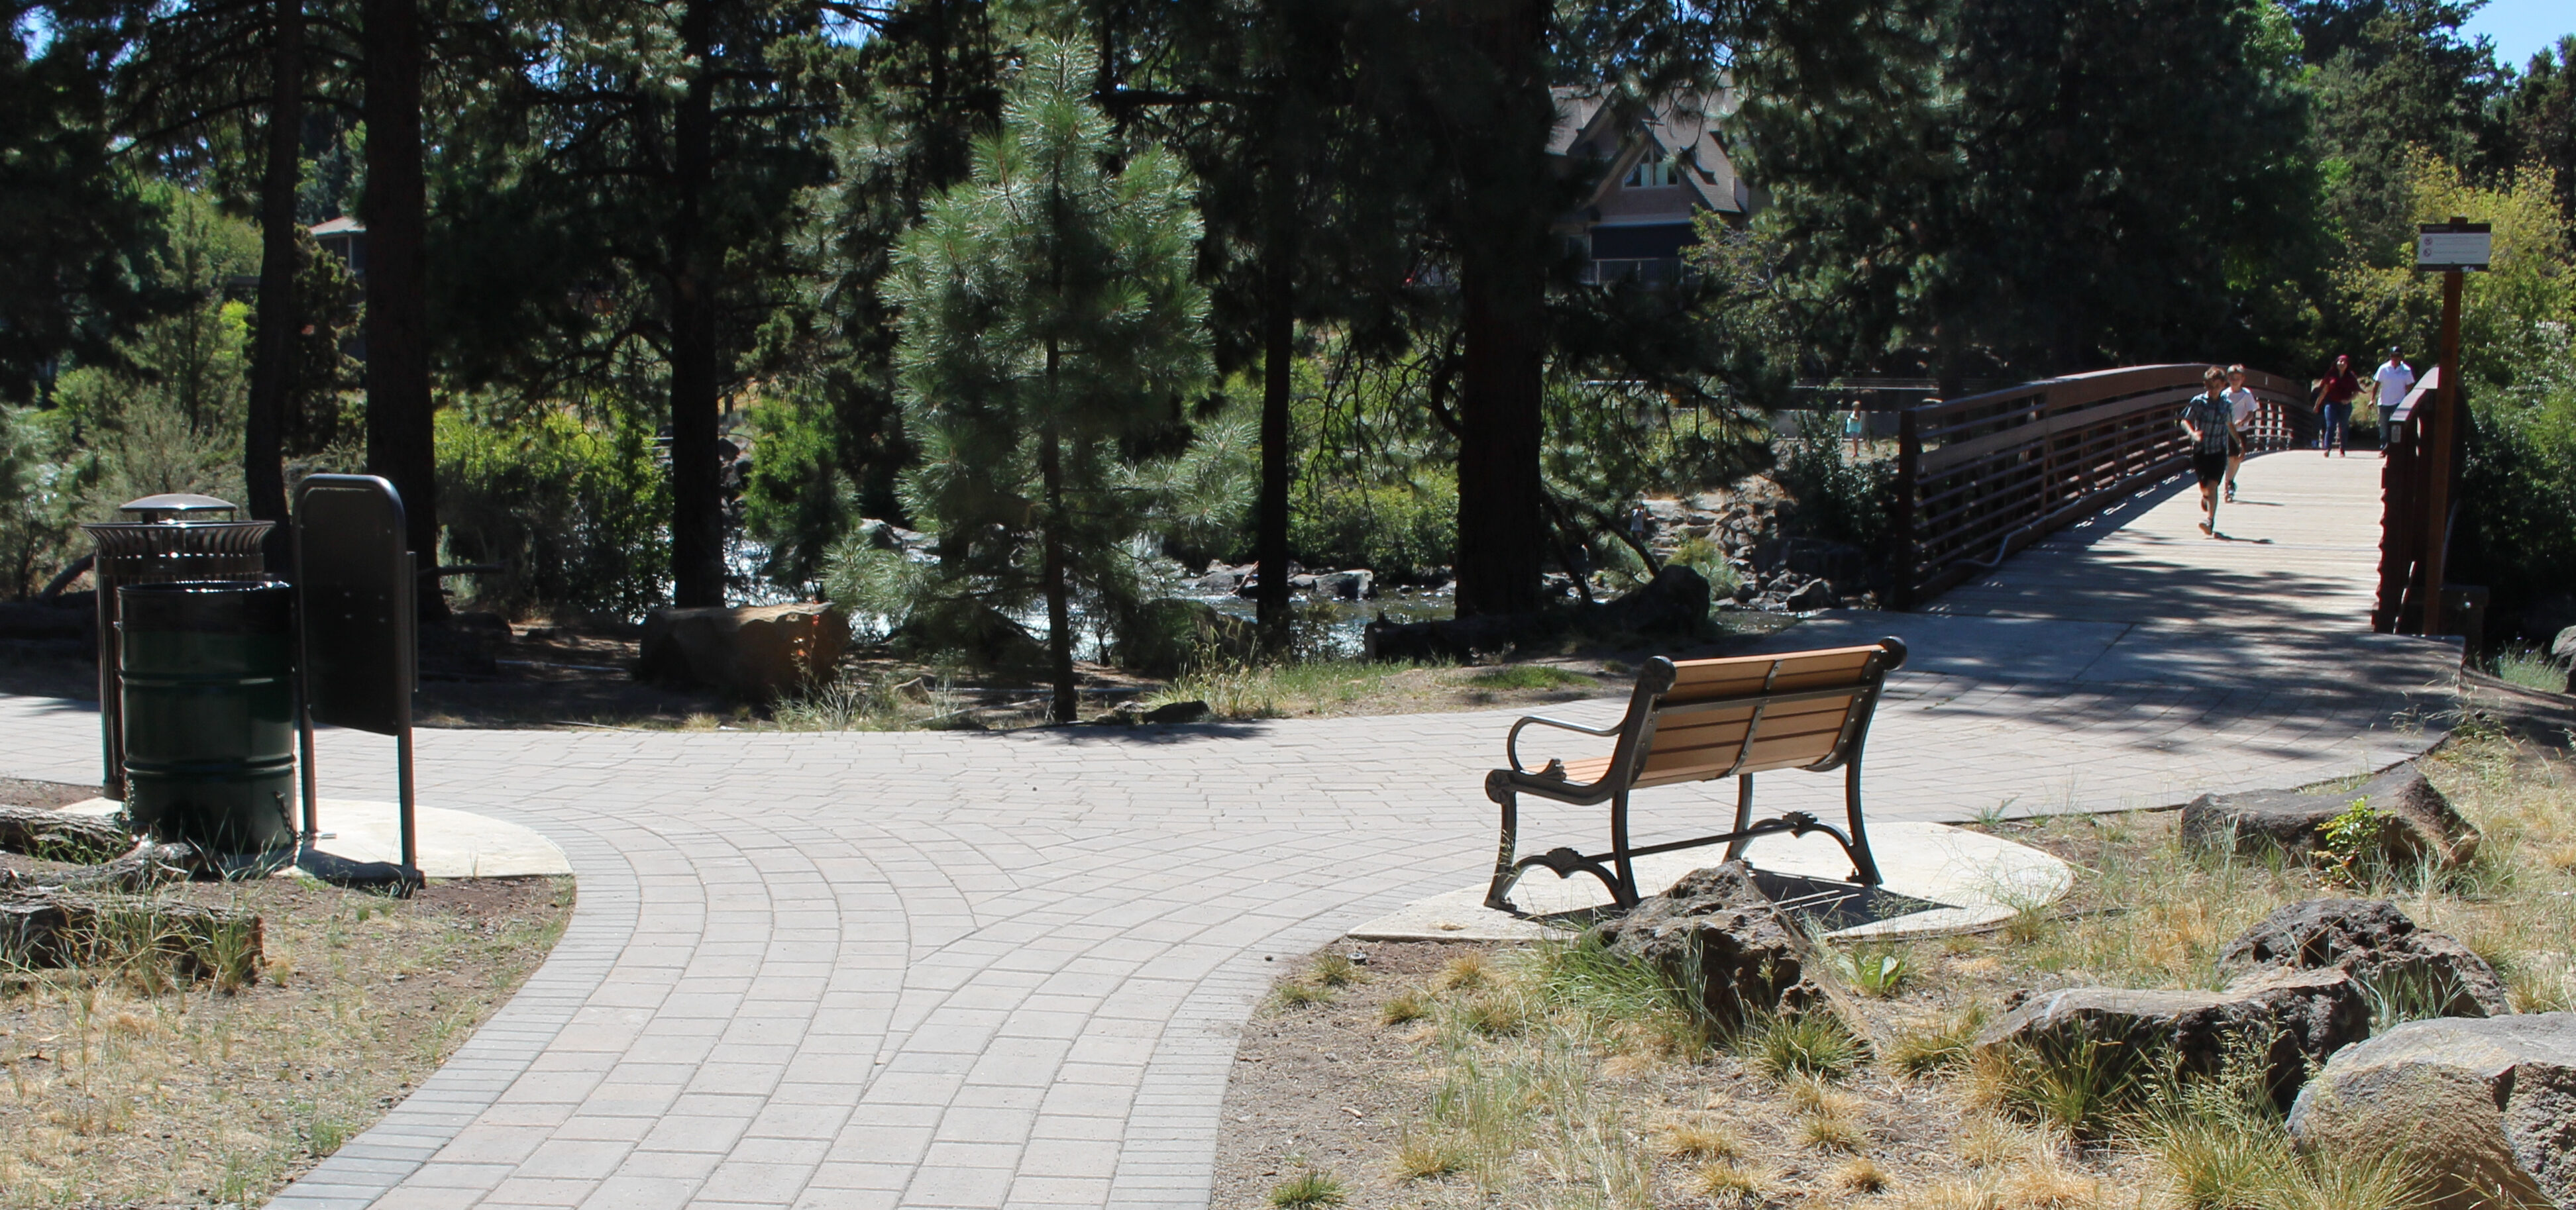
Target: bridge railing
x,y
1984,475
2405,543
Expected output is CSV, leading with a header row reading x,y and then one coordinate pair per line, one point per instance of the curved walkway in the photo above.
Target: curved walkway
x,y
962,970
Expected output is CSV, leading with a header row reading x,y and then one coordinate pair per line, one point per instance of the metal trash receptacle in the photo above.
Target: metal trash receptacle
x,y
209,712
173,538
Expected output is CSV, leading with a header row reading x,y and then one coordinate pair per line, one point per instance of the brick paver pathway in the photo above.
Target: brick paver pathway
x,y
965,970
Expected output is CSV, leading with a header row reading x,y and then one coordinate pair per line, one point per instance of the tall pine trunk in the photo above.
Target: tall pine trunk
x,y
272,366
697,486
399,443
1278,347
1051,565
1500,223
1499,491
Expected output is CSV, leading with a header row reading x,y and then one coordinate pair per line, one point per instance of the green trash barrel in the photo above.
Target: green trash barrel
x,y
209,714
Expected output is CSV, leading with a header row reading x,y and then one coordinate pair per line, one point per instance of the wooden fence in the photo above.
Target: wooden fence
x,y
1982,476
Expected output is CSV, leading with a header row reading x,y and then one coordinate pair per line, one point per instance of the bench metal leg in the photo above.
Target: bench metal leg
x,y
1864,867
1626,891
1743,815
1498,896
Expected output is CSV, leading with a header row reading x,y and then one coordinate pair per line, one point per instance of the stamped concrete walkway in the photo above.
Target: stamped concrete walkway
x,y
967,970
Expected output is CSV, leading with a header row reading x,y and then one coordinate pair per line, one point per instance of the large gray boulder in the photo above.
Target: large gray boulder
x,y
2486,1107
2380,946
2424,826
2292,1017
1718,935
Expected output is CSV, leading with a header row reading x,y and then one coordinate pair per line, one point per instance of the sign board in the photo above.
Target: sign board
x,y
2454,246
354,596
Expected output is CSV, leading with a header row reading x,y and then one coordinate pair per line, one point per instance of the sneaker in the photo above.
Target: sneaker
x,y
2231,493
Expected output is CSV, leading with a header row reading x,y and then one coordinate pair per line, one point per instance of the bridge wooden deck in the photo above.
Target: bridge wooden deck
x,y
2300,550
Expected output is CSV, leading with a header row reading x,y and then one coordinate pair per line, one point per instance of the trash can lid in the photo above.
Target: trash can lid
x,y
172,506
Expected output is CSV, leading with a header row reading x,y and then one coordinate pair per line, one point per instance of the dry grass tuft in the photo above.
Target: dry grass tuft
x,y
1465,972
1703,1141
1859,1175
1403,1007
1731,1184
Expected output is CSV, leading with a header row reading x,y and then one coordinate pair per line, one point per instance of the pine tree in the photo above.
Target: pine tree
x,y
1052,336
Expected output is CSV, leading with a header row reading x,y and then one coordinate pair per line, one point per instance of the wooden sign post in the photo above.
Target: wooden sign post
x,y
2451,249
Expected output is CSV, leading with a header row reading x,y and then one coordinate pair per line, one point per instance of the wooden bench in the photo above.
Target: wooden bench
x,y
1700,720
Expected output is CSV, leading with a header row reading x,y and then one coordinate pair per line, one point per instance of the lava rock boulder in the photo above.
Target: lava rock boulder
x,y
2486,1108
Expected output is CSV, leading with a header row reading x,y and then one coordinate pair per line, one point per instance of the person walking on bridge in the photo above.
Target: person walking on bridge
x,y
2395,378
2210,419
2334,405
2241,406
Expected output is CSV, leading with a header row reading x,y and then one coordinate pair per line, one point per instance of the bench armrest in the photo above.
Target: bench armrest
x,y
1512,742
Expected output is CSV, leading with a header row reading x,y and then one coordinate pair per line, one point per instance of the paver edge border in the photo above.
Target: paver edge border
x,y
607,896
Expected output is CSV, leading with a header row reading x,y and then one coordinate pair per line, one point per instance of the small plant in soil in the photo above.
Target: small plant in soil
x,y
1308,1188
1405,1007
1785,1046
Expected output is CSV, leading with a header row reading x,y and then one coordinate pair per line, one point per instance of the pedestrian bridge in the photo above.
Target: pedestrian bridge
x,y
2062,465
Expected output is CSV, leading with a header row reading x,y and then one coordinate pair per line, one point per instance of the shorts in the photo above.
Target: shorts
x,y
2209,466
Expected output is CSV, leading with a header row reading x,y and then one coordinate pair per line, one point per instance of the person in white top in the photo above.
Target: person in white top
x,y
2241,406
2395,379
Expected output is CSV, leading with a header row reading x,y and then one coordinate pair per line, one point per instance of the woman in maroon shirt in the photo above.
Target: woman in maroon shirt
x,y
2335,393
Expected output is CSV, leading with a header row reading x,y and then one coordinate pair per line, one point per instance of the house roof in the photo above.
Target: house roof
x,y
1603,126
343,225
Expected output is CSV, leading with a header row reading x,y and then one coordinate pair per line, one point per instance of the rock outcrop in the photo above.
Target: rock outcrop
x,y
2487,1108
2286,1017
2379,946
1718,935
2422,824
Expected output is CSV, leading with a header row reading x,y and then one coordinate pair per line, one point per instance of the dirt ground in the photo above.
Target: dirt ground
x,y
119,1089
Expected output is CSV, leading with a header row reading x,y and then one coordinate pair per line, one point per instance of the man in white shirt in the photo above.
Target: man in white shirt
x,y
2395,379
2242,408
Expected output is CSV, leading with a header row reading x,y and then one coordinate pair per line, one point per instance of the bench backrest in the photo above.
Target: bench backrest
x,y
1691,720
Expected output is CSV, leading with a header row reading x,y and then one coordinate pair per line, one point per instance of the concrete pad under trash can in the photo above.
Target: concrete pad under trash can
x,y
1968,881
453,844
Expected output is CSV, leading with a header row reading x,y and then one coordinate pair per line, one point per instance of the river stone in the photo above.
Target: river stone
x,y
2427,827
2378,944
2487,1107
1715,932
2295,1016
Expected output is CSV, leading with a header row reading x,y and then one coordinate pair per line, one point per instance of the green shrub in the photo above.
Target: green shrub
x,y
1838,499
575,514
1397,531
796,500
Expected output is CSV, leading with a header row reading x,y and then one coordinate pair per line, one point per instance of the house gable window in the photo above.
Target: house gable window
x,y
1649,174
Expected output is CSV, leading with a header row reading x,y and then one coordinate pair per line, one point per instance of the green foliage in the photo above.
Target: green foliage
x,y
2033,186
162,412
1784,1046
1398,531
1308,1188
2354,842
573,512
1052,343
797,500
1838,498
78,230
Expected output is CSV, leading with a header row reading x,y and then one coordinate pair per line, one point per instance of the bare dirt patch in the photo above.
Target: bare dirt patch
x,y
120,1089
